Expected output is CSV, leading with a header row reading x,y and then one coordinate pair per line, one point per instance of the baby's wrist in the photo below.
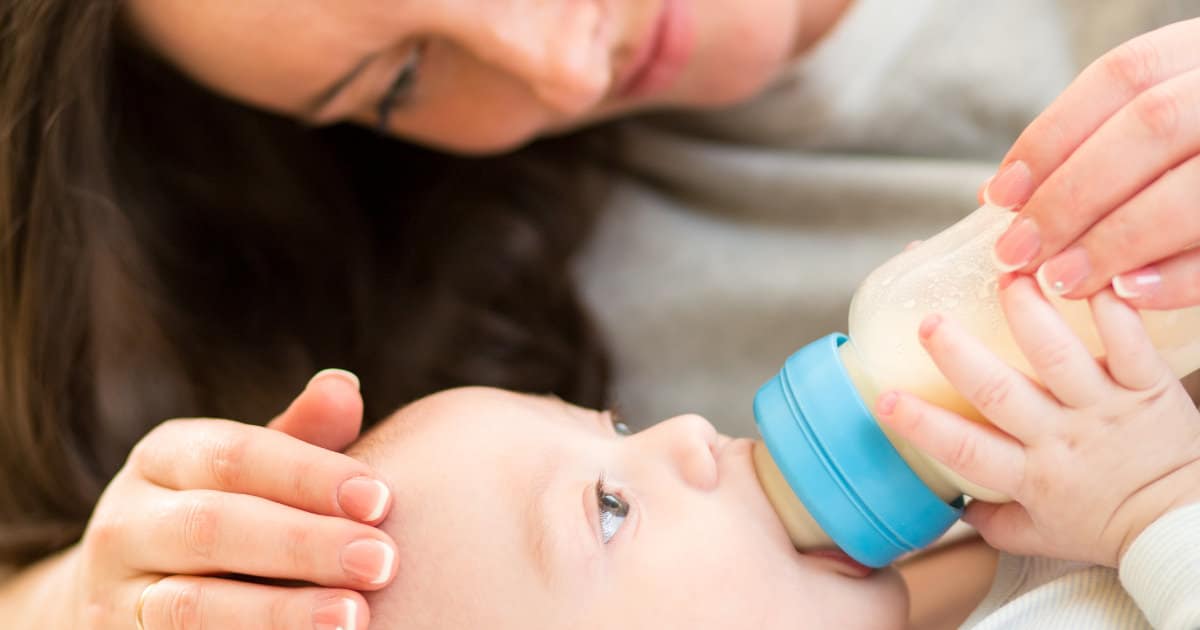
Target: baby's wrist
x,y
1188,498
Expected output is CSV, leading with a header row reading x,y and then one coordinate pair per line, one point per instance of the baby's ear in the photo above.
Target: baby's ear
x,y
1191,383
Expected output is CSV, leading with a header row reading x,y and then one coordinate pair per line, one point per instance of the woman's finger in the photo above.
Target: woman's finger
x,y
1058,357
1002,394
204,602
328,413
238,458
1101,90
199,532
1169,284
1159,221
978,452
1128,162
1132,361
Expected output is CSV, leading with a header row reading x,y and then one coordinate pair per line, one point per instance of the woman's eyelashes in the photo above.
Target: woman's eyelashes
x,y
612,509
401,88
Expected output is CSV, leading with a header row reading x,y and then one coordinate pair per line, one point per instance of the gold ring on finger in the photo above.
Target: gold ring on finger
x,y
141,603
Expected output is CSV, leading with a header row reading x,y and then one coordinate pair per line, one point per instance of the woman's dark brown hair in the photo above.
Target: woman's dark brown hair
x,y
168,253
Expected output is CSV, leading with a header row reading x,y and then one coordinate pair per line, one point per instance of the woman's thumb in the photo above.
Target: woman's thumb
x,y
328,413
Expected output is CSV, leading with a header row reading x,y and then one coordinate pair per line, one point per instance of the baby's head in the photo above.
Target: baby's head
x,y
516,511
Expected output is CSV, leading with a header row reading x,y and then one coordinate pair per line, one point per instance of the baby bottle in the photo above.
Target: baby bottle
x,y
835,476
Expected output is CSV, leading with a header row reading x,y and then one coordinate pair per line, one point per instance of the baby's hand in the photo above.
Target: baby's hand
x,y
1091,457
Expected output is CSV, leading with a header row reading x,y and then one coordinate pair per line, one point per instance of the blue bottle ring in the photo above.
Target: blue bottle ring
x,y
839,462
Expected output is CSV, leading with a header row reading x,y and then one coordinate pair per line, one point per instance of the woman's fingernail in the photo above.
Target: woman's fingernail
x,y
345,375
887,403
340,614
363,498
1137,284
1011,187
369,560
1018,246
929,325
1063,273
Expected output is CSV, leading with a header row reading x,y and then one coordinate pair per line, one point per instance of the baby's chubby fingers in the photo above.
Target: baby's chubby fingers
x,y
1002,394
1006,526
201,602
233,457
1133,361
978,452
1055,352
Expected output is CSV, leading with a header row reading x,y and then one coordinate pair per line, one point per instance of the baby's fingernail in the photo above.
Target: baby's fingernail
x,y
929,325
1063,273
1137,284
1018,246
340,614
369,560
1011,187
887,403
345,375
363,498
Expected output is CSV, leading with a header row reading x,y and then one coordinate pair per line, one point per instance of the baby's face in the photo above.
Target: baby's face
x,y
517,511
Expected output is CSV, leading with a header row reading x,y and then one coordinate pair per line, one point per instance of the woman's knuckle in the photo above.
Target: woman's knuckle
x,y
226,457
1124,233
1159,111
185,606
103,532
200,525
1133,66
279,612
297,544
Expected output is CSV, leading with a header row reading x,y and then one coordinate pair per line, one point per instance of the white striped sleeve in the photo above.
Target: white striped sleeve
x,y
1161,570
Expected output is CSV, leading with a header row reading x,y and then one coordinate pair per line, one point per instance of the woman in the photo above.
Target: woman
x,y
186,236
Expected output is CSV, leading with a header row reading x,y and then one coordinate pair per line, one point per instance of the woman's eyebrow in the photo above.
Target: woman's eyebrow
x,y
326,96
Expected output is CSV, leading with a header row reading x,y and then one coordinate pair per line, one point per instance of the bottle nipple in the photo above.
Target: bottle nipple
x,y
801,528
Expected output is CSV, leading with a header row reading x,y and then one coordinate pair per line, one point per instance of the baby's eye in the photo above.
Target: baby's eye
x,y
619,426
613,510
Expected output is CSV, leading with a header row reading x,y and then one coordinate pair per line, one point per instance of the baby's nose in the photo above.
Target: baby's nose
x,y
690,444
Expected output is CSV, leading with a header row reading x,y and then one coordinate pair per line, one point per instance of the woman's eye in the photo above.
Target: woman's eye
x,y
401,87
613,510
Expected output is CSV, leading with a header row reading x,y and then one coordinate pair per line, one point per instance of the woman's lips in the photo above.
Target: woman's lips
x,y
664,54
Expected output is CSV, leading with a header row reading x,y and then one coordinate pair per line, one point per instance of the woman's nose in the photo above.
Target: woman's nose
x,y
559,50
688,444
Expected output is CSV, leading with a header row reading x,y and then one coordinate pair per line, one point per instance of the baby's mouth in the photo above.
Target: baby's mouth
x,y
841,562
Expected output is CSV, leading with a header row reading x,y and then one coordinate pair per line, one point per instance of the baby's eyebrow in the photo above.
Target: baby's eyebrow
x,y
540,532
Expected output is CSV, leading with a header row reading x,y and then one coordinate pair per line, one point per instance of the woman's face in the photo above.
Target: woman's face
x,y
517,511
479,75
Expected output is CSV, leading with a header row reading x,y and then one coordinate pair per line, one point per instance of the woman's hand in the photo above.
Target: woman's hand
x,y
1108,178
1091,457
200,500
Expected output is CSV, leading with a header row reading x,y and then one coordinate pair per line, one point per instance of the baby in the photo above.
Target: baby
x,y
519,511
